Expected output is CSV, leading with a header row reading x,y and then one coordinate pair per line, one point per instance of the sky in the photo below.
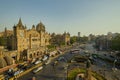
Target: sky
x,y
73,16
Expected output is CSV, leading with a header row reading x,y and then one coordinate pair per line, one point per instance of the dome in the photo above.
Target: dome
x,y
2,62
8,60
40,27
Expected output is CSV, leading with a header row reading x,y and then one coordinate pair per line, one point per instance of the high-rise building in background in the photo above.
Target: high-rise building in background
x,y
78,34
78,39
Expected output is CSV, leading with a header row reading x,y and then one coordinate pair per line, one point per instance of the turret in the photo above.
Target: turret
x,y
33,27
20,25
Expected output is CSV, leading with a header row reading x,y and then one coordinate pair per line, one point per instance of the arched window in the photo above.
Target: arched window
x,y
30,55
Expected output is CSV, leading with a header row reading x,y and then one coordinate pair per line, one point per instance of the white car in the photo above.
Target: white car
x,y
16,73
45,58
37,62
21,71
48,62
33,60
38,69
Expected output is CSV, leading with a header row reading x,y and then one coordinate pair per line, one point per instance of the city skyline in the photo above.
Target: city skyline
x,y
96,17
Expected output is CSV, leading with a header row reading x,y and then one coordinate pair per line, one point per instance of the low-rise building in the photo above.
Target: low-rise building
x,y
58,39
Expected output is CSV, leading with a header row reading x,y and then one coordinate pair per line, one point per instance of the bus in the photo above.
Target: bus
x,y
74,51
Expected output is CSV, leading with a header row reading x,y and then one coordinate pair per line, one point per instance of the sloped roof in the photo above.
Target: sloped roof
x,y
2,62
8,60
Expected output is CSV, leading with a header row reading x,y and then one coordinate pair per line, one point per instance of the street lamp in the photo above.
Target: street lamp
x,y
104,72
114,64
66,69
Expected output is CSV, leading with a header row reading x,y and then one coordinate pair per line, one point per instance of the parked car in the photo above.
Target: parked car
x,y
59,52
61,58
112,56
7,77
47,62
72,61
45,58
24,67
33,60
16,73
38,61
37,69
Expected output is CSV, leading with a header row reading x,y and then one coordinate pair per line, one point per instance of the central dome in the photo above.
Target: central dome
x,y
40,27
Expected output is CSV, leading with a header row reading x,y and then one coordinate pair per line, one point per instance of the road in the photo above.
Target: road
x,y
58,72
102,67
50,72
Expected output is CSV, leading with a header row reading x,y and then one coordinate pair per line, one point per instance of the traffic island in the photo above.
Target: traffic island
x,y
81,73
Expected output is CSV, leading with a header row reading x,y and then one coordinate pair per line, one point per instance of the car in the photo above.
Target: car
x,y
16,73
72,61
37,69
37,62
112,56
33,60
21,71
20,65
47,62
80,59
45,58
24,67
105,55
7,77
95,56
74,51
60,58
59,52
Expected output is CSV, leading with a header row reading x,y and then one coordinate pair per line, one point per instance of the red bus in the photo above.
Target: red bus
x,y
74,51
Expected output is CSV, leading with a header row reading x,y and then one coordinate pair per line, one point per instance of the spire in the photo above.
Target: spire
x,y
20,22
33,27
5,33
20,25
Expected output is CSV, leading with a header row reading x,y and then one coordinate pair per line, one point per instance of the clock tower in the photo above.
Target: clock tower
x,y
19,35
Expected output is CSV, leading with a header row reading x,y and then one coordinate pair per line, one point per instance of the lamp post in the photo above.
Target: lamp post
x,y
104,70
88,70
104,73
66,70
114,64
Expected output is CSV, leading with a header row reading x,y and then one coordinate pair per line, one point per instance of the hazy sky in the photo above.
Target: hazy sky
x,y
85,16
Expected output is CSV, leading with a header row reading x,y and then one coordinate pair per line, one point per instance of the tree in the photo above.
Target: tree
x,y
115,43
73,39
3,41
83,39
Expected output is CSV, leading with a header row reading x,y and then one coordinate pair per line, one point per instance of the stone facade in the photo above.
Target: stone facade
x,y
58,39
23,40
66,37
6,33
32,43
